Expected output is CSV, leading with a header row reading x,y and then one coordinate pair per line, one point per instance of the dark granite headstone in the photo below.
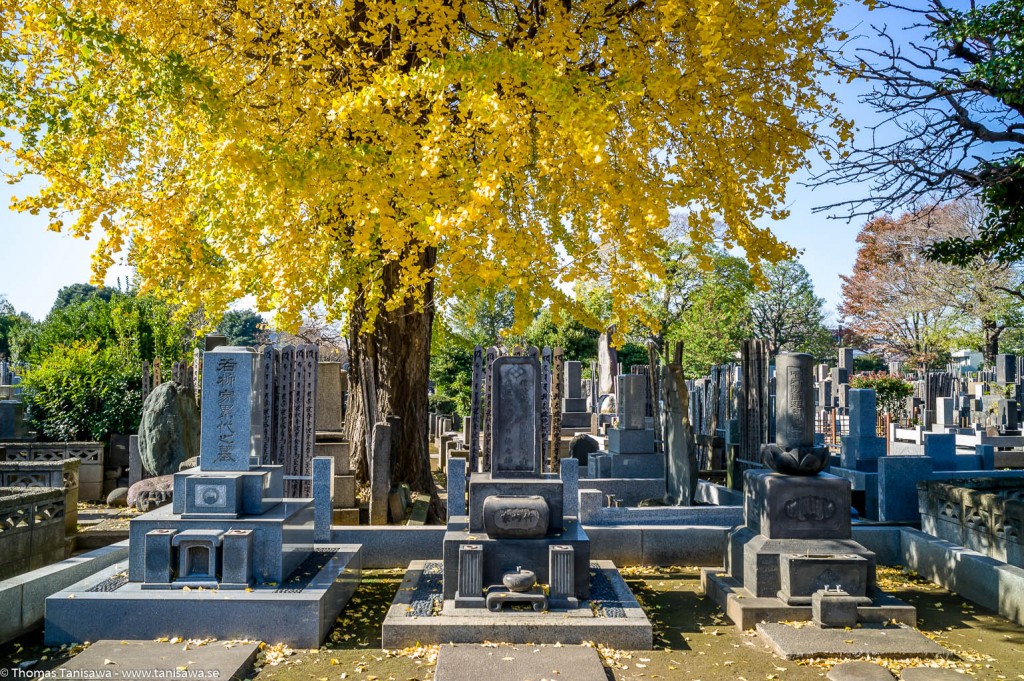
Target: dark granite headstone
x,y
573,380
1006,369
515,418
473,431
268,360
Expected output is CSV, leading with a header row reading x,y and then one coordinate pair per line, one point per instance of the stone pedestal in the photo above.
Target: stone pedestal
x,y
796,542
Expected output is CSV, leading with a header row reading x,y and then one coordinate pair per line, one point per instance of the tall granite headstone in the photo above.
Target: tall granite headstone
x,y
232,412
515,402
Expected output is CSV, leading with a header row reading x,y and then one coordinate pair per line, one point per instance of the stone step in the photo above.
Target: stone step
x,y
796,643
468,662
127,659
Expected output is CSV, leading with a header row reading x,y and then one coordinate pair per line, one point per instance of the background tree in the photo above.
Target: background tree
x,y
716,317
786,313
952,112
12,324
79,293
85,363
356,156
984,287
912,308
883,301
243,327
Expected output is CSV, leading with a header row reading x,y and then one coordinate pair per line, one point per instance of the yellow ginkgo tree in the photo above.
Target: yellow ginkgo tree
x,y
367,156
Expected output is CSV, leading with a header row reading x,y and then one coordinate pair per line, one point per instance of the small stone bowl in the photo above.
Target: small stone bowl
x,y
519,581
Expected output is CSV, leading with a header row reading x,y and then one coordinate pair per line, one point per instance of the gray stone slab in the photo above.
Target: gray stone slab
x,y
232,412
631,401
630,441
897,486
456,487
329,397
573,382
515,663
650,465
323,497
569,472
795,643
133,659
942,448
880,641
863,416
930,674
859,671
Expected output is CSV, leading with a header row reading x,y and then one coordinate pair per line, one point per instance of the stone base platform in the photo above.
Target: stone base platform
x,y
611,617
747,610
299,612
797,643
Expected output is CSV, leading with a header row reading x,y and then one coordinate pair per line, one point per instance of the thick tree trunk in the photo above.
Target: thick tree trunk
x,y
399,351
992,333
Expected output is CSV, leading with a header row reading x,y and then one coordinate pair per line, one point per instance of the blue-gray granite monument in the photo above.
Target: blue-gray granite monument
x,y
231,557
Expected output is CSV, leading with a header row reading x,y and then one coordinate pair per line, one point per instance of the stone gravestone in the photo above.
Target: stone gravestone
x,y
846,359
582,446
231,439
862,447
515,418
228,530
169,429
1006,369
473,430
518,536
794,558
680,445
574,405
11,419
631,452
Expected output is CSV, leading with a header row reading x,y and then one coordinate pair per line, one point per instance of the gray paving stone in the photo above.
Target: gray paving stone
x,y
515,663
931,674
859,671
125,659
795,643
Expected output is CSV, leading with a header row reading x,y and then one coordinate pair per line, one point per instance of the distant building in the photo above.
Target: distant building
x,y
966,360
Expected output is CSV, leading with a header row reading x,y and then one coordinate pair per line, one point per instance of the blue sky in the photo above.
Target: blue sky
x,y
37,263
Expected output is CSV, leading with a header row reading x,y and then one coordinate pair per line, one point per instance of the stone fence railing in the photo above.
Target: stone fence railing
x,y
31,529
60,474
981,514
89,454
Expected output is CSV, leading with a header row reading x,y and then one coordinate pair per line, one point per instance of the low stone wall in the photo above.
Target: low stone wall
x,y
89,454
62,473
23,598
594,512
981,514
31,529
